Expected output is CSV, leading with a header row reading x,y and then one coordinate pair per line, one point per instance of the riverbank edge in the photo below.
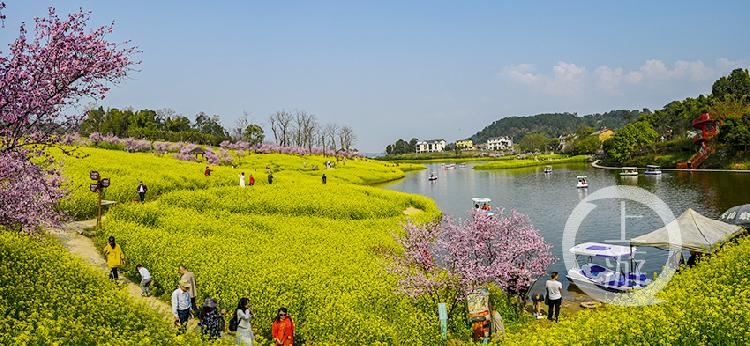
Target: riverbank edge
x,y
595,164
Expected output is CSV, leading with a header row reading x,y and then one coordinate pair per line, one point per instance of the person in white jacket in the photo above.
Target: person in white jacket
x,y
244,329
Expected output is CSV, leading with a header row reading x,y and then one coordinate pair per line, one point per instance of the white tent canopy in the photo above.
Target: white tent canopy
x,y
698,233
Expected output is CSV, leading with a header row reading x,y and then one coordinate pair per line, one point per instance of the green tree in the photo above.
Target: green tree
x,y
254,134
735,133
536,141
631,139
737,84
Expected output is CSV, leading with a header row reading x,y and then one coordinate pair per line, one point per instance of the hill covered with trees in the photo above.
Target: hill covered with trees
x,y
554,124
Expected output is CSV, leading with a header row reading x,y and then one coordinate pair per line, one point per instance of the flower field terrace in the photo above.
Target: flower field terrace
x,y
164,174
49,297
306,249
316,249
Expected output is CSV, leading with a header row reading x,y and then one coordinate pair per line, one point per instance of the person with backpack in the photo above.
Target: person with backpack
x,y
240,323
212,323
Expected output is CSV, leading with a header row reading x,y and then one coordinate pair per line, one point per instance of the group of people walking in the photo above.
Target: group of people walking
x,y
212,321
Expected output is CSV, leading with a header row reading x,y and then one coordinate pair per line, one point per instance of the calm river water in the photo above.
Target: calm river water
x,y
548,199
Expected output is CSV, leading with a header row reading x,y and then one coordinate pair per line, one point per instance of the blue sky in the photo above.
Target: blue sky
x,y
431,69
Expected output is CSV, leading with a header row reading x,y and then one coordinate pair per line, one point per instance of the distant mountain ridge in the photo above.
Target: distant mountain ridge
x,y
554,124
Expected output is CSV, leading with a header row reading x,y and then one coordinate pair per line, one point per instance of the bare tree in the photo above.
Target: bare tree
x,y
240,126
163,114
281,123
330,131
305,128
346,137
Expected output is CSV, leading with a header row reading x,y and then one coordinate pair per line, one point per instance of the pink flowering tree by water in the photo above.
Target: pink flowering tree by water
x,y
444,262
41,77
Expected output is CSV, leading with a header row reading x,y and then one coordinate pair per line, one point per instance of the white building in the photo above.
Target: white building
x,y
499,143
430,146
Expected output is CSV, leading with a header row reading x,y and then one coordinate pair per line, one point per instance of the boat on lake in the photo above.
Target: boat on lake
x,y
592,274
449,166
652,170
482,204
583,182
432,177
548,169
629,172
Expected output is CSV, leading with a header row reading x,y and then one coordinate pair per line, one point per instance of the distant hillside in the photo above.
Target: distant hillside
x,y
554,124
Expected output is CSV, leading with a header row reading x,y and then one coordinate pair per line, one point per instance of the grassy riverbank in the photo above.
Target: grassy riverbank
x,y
538,160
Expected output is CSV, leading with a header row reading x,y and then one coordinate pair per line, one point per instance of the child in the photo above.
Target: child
x,y
537,298
145,280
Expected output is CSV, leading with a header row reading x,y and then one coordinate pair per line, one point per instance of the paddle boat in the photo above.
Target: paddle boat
x,y
583,182
449,166
652,170
592,274
482,204
432,177
629,172
548,169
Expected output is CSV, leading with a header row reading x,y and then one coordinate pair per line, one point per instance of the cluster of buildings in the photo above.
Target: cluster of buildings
x,y
438,145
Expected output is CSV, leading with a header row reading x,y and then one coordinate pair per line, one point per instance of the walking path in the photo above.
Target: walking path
x,y
71,237
595,164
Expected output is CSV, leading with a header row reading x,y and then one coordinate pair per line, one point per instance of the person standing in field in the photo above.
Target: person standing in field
x,y
181,305
142,188
251,180
115,257
244,329
145,280
554,296
242,179
270,178
282,328
189,277
324,179
207,172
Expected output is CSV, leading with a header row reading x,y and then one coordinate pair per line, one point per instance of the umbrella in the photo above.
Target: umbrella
x,y
738,215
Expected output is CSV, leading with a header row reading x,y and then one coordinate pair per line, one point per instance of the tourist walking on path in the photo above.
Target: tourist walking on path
x,y
554,296
181,305
242,179
244,329
115,257
145,280
142,188
212,322
189,277
282,328
251,180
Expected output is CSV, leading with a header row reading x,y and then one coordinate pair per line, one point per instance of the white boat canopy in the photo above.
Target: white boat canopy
x,y
602,250
629,168
652,166
697,233
481,200
581,176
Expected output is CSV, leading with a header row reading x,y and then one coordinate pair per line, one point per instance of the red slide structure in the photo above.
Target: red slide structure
x,y
708,127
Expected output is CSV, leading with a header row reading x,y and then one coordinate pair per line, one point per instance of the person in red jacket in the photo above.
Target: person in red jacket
x,y
282,328
251,180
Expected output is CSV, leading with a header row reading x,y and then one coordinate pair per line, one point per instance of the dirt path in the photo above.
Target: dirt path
x,y
71,237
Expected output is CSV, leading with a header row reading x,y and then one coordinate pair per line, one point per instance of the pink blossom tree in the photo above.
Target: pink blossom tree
x,y
446,261
40,78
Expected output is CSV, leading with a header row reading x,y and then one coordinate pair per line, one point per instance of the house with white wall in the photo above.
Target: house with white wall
x,y
431,146
499,143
